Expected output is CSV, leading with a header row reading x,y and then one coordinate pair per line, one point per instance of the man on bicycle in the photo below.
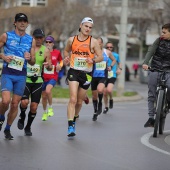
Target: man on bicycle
x,y
160,54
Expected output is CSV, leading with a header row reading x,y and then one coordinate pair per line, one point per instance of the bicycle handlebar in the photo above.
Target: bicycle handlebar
x,y
157,69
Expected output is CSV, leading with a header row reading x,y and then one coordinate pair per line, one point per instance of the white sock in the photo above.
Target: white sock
x,y
50,106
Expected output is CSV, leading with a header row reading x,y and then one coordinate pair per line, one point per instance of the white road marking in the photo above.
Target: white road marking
x,y
145,141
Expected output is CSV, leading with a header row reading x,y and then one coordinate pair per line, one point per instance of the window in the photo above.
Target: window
x,y
25,2
41,2
32,3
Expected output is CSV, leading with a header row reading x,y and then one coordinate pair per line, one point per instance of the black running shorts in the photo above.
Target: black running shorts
x,y
111,80
84,78
96,81
33,89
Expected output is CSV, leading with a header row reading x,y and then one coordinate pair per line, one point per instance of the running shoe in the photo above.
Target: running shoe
x,y
71,131
150,123
105,110
99,111
94,117
111,104
8,135
50,112
74,126
45,116
1,123
28,132
86,100
20,124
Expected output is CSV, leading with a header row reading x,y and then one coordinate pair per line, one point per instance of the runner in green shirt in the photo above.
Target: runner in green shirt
x,y
34,82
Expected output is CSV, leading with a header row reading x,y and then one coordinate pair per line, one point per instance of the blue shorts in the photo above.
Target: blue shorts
x,y
12,83
52,82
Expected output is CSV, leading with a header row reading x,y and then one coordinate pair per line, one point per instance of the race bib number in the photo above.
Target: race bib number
x,y
17,63
33,70
80,64
101,65
110,74
49,71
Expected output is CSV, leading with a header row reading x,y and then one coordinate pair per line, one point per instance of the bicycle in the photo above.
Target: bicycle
x,y
162,107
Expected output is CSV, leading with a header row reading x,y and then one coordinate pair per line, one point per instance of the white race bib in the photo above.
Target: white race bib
x,y
17,63
110,74
33,70
80,64
101,65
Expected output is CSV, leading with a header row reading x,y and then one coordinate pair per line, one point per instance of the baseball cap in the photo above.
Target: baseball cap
x,y
21,16
87,19
38,33
49,38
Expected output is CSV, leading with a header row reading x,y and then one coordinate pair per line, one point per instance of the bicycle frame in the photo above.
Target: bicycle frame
x,y
161,104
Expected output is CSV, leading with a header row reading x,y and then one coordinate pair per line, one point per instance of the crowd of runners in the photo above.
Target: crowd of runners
x,y
30,71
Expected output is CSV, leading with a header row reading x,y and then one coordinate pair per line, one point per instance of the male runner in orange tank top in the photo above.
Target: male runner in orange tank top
x,y
79,53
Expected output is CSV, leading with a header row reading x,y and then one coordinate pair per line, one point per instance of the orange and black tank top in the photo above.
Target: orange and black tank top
x,y
81,50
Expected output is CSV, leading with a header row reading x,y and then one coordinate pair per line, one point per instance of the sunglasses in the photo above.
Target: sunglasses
x,y
109,47
48,42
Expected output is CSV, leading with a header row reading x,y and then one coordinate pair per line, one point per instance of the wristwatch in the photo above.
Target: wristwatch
x,y
120,68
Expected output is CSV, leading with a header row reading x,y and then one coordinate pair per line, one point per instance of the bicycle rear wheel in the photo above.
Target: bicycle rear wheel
x,y
159,107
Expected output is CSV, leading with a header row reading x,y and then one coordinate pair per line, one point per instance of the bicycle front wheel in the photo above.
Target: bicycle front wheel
x,y
161,125
159,107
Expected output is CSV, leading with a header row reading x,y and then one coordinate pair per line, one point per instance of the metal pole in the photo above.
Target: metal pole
x,y
122,47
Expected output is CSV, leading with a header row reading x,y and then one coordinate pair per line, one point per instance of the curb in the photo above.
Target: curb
x,y
116,99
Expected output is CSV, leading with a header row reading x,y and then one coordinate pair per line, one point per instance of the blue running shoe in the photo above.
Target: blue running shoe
x,y
74,126
71,131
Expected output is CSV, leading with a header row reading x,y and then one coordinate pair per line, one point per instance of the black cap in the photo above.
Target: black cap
x,y
21,16
38,33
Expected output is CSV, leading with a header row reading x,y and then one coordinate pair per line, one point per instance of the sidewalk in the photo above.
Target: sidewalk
x,y
116,99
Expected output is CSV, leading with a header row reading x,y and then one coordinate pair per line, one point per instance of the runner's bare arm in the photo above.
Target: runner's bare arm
x,y
109,53
32,54
3,38
67,51
47,57
112,58
97,51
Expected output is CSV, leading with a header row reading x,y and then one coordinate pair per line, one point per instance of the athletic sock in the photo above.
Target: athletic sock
x,y
70,122
100,96
31,117
2,117
75,117
95,103
7,127
50,106
22,114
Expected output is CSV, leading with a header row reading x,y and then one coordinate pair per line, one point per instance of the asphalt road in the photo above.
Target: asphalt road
x,y
116,141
